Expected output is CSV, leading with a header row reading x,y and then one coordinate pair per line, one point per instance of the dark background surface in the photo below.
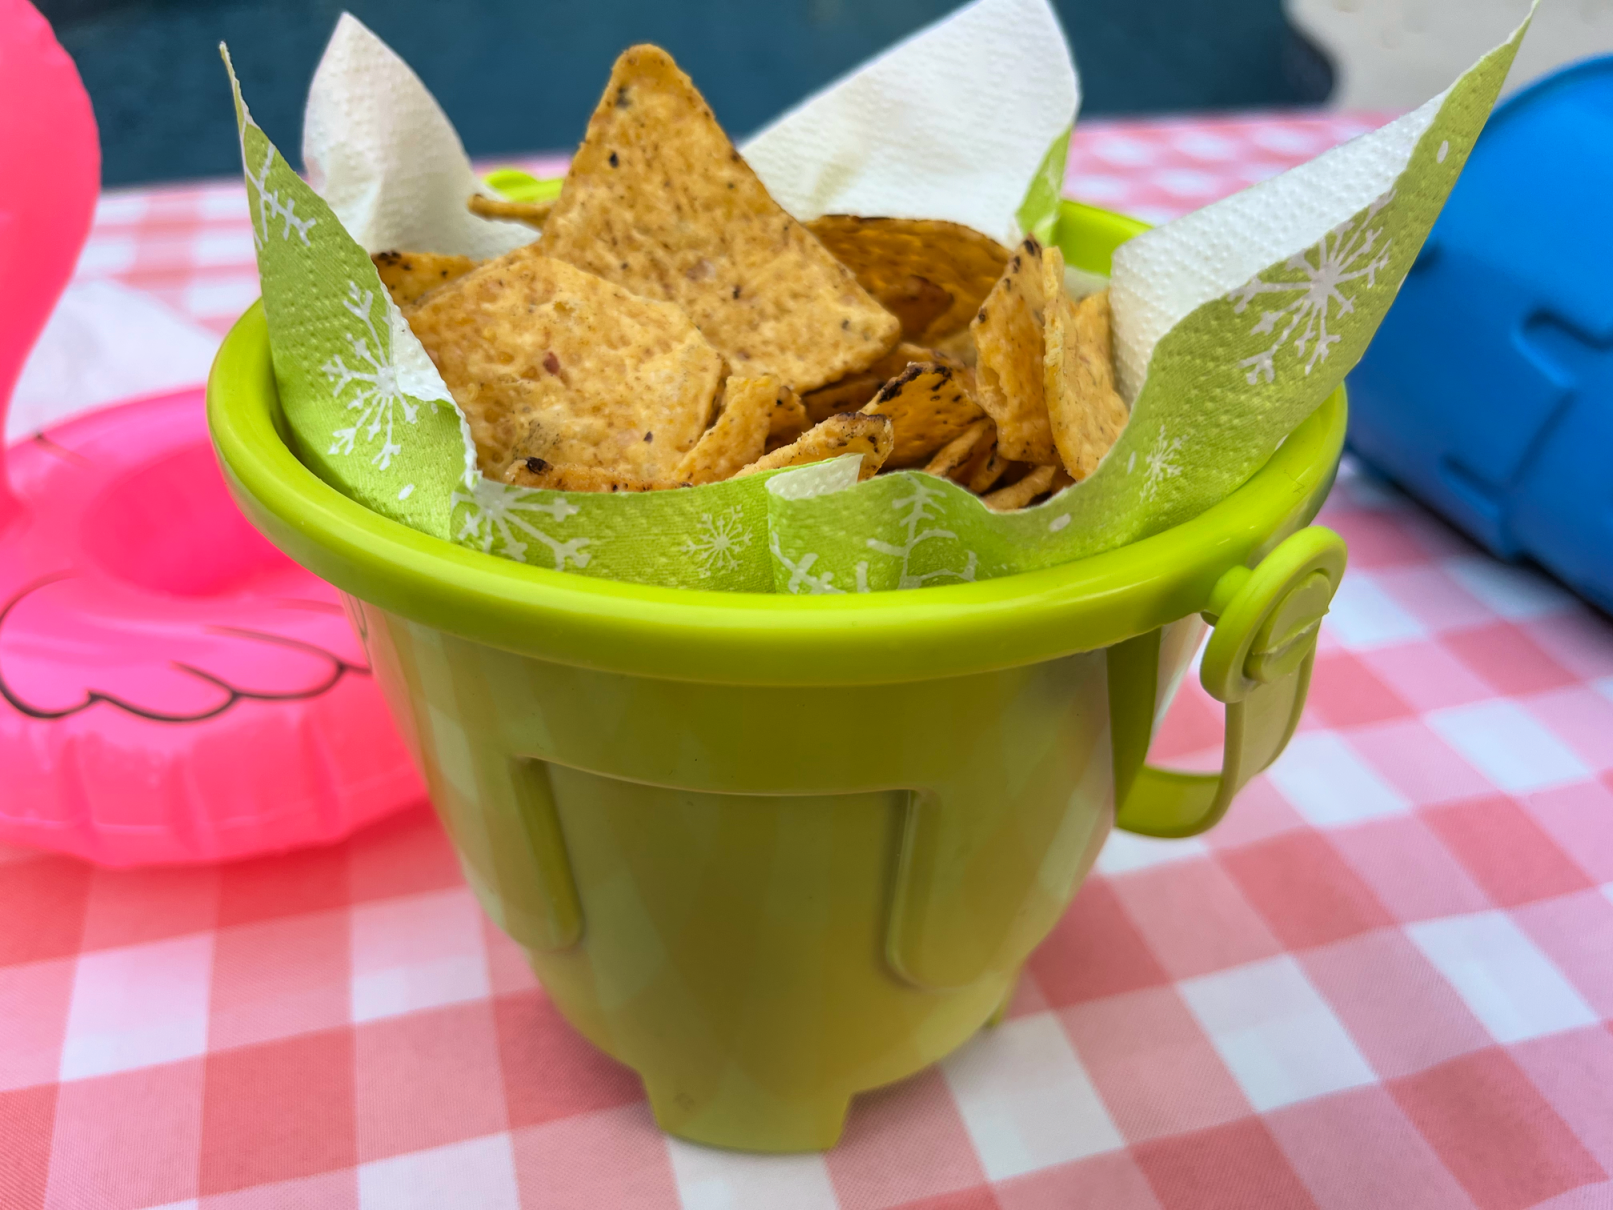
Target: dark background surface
x,y
523,75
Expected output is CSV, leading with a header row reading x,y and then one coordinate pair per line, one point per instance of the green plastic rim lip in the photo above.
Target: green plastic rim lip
x,y
755,638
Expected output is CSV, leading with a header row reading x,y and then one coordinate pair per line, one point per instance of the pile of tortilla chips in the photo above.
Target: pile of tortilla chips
x,y
672,326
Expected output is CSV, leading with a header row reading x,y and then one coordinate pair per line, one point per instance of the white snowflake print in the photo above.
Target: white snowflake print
x,y
1161,464
272,206
493,519
1349,253
378,398
719,542
801,577
921,507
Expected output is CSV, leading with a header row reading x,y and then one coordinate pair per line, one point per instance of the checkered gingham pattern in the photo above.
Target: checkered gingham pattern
x,y
1386,980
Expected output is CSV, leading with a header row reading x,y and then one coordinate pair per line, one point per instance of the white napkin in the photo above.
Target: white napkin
x,y
951,123
379,149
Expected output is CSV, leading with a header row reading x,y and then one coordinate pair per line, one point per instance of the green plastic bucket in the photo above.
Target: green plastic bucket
x,y
770,850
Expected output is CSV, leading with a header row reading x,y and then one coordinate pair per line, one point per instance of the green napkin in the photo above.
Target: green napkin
x,y
1231,326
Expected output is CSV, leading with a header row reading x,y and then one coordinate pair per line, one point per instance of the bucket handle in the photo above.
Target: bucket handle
x,y
1258,661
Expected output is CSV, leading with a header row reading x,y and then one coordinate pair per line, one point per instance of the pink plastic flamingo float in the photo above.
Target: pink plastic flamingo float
x,y
172,688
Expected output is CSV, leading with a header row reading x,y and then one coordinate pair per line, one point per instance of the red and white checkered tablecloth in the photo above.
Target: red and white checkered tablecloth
x,y
1386,980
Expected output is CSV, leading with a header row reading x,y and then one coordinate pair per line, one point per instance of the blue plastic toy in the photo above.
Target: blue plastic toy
x,y
1488,392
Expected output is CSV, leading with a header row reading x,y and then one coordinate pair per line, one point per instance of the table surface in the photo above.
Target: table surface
x,y
1385,980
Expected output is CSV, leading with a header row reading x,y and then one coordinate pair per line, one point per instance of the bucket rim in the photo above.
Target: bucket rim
x,y
751,638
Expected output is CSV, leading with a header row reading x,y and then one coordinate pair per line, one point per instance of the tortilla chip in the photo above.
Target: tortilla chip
x,y
408,276
530,213
550,362
929,405
535,472
982,471
1083,407
957,452
1040,480
916,301
738,436
848,433
658,201
908,264
849,394
1008,334
960,346
789,419
855,391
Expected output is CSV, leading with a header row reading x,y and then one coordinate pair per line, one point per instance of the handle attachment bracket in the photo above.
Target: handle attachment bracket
x,y
1258,661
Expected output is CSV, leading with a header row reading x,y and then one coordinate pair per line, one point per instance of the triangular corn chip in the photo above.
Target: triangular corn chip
x,y
960,346
988,465
408,276
1008,336
928,405
564,477
1039,480
848,433
931,274
1083,408
789,419
854,391
958,452
533,214
739,435
550,362
657,200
